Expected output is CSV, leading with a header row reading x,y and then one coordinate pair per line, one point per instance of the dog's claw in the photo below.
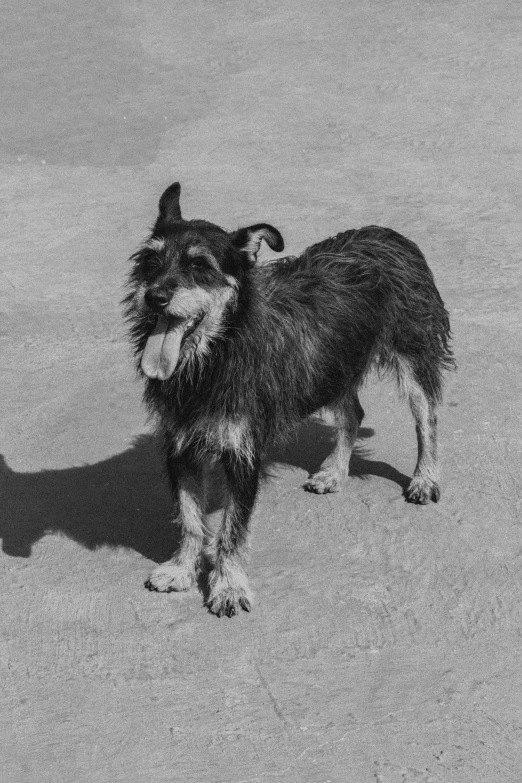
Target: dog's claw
x,y
169,577
320,485
228,607
422,492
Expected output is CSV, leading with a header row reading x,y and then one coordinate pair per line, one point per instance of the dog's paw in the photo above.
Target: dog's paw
x,y
321,483
229,602
422,491
229,592
170,577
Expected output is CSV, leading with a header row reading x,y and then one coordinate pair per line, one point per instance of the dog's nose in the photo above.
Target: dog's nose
x,y
157,298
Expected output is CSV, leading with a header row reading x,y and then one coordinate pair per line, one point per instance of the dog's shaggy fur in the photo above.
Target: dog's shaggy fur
x,y
235,354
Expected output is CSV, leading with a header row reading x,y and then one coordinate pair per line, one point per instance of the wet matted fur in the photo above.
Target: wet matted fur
x,y
235,354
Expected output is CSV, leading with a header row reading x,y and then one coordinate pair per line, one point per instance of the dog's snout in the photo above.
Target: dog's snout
x,y
157,298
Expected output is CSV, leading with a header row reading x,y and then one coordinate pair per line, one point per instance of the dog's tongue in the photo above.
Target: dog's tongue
x,y
162,350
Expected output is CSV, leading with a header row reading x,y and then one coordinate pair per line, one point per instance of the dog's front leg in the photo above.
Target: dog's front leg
x,y
187,484
229,588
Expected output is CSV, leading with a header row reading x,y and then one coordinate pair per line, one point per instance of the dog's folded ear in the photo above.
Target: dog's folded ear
x,y
248,240
169,209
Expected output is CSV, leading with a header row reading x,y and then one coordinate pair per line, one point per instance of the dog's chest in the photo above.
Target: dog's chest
x,y
213,436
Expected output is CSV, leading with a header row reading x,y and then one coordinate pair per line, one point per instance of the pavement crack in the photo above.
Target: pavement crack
x,y
273,701
8,280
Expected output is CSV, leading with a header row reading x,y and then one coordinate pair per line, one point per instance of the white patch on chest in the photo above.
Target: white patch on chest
x,y
211,437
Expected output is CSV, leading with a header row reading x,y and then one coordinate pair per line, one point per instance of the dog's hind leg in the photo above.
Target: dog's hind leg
x,y
228,582
348,415
424,485
187,483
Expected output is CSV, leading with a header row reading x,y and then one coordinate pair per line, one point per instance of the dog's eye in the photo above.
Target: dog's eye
x,y
150,265
199,262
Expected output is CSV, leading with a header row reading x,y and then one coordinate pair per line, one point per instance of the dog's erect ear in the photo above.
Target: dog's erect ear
x,y
169,210
249,239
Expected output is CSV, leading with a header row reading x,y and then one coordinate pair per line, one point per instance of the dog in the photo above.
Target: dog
x,y
236,353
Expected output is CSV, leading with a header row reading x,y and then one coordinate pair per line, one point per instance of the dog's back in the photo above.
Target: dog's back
x,y
362,297
391,275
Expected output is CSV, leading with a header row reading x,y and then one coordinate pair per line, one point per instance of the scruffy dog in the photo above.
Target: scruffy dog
x,y
235,354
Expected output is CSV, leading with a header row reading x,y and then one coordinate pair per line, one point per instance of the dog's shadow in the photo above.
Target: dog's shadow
x,y
313,442
124,501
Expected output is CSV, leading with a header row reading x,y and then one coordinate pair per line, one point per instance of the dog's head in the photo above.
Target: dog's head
x,y
184,280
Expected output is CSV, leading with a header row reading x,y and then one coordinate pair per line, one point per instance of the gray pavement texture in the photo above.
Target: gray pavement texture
x,y
384,645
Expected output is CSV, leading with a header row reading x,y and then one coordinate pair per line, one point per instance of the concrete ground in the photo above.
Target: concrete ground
x,y
384,646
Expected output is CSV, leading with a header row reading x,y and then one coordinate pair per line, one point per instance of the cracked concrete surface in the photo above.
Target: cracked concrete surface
x,y
384,643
